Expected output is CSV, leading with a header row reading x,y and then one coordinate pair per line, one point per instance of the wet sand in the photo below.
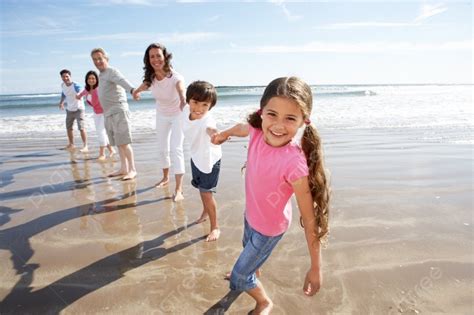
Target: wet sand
x,y
76,242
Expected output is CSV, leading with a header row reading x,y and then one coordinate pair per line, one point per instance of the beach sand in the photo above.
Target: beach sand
x,y
76,242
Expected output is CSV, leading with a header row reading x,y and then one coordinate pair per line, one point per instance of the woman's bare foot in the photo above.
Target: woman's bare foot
x,y
178,196
131,175
118,173
203,217
101,158
214,235
69,147
162,183
84,149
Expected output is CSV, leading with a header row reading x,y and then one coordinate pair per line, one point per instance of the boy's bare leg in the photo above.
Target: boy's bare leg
x,y
165,180
264,304
210,206
84,140
203,216
178,193
130,162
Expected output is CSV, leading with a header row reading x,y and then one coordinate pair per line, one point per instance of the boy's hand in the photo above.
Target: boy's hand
x,y
61,106
312,282
219,138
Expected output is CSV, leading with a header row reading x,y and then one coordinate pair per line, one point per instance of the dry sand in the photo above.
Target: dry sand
x,y
76,242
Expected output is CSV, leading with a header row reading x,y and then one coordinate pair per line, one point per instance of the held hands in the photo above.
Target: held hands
x,y
136,95
312,282
219,138
78,97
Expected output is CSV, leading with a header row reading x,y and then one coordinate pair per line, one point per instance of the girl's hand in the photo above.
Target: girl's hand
x,y
78,97
219,138
312,282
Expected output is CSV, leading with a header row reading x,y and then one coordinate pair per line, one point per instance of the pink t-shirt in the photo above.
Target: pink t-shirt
x,y
166,95
269,174
93,100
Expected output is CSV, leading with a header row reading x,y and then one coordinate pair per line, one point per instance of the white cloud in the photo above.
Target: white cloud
x,y
428,11
165,38
122,2
340,26
290,16
132,54
367,47
214,18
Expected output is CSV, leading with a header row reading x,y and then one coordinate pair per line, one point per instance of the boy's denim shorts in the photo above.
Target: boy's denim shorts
x,y
205,182
257,249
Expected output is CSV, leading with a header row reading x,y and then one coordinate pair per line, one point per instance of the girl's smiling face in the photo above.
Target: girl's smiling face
x,y
91,80
281,119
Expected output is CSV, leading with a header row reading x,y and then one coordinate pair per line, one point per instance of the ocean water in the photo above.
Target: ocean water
x,y
432,113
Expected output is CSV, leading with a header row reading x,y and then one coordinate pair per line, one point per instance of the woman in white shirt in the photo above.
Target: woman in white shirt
x,y
168,89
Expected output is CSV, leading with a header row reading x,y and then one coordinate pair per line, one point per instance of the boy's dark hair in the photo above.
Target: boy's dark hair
x,y
202,91
64,71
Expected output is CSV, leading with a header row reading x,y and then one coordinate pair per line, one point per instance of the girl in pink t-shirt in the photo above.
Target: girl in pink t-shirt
x,y
276,168
90,91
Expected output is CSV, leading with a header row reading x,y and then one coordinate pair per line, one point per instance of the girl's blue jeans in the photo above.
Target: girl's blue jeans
x,y
257,249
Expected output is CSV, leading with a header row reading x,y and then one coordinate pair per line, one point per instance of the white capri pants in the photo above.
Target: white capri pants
x,y
100,129
169,136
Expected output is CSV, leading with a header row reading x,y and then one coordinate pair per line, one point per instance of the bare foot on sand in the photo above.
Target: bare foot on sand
x,y
214,235
131,175
203,217
69,147
84,149
118,173
101,158
162,183
178,196
263,308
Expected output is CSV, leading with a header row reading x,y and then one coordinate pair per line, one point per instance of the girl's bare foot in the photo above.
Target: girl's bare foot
x,y
214,235
203,217
101,158
263,308
84,149
178,196
162,183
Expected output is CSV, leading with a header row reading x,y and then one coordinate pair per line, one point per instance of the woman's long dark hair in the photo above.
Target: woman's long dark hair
x,y
149,71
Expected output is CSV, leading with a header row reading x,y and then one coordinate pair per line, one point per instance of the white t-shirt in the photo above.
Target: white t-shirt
x,y
69,92
203,153
166,95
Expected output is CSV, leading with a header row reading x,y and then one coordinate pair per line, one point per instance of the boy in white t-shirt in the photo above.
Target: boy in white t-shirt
x,y
198,128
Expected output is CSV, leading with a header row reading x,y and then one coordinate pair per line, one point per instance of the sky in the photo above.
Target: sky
x,y
239,43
